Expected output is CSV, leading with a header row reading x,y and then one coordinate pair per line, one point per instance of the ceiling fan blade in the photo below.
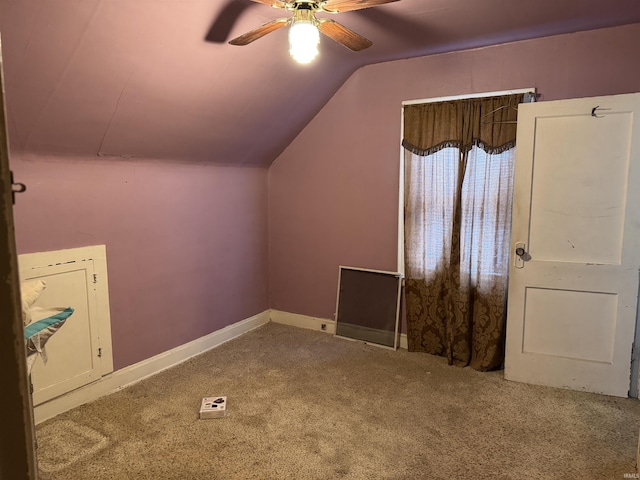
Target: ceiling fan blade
x,y
221,27
343,35
337,6
259,32
272,3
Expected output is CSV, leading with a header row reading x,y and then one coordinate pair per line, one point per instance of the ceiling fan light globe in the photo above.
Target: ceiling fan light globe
x,y
303,56
304,38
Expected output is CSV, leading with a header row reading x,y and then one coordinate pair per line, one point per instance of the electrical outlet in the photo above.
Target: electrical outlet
x,y
323,327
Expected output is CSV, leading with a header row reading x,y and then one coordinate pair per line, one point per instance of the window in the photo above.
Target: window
x,y
458,160
486,212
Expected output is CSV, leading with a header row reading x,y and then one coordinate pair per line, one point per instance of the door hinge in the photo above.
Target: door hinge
x,y
95,278
99,352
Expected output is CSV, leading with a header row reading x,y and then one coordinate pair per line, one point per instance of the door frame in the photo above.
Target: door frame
x,y
17,436
634,384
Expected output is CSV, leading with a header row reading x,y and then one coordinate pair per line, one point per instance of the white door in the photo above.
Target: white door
x,y
80,352
73,352
573,293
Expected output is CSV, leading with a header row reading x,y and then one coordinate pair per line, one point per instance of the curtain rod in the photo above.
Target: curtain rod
x,y
469,95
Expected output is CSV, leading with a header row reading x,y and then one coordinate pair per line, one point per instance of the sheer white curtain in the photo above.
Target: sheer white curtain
x,y
431,181
487,192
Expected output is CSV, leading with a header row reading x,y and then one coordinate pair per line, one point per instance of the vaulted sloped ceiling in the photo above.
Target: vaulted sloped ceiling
x,y
151,79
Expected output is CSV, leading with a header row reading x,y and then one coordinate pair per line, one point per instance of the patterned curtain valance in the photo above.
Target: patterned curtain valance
x,y
487,122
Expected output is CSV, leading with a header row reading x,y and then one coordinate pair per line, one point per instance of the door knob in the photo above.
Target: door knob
x,y
521,255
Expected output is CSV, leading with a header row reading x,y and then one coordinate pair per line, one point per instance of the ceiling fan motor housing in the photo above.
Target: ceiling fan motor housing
x,y
303,12
305,5
304,15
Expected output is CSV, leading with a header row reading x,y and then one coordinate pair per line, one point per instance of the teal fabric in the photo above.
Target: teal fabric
x,y
37,327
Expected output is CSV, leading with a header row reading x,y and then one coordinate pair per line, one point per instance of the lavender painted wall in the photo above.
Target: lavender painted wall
x,y
186,243
333,193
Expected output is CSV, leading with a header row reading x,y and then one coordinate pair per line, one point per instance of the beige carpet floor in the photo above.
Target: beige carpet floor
x,y
306,405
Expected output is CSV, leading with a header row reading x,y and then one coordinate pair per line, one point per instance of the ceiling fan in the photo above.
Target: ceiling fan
x,y
304,33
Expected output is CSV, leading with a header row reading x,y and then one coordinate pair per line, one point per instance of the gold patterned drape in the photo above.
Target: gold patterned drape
x,y
458,188
485,122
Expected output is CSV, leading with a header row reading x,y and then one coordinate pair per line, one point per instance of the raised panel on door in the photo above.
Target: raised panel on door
x,y
570,324
579,188
573,294
73,350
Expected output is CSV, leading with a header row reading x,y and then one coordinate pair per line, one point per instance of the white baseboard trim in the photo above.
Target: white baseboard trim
x,y
314,323
303,321
120,379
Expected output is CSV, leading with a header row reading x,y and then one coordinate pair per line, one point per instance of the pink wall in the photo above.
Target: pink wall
x,y
186,243
333,193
